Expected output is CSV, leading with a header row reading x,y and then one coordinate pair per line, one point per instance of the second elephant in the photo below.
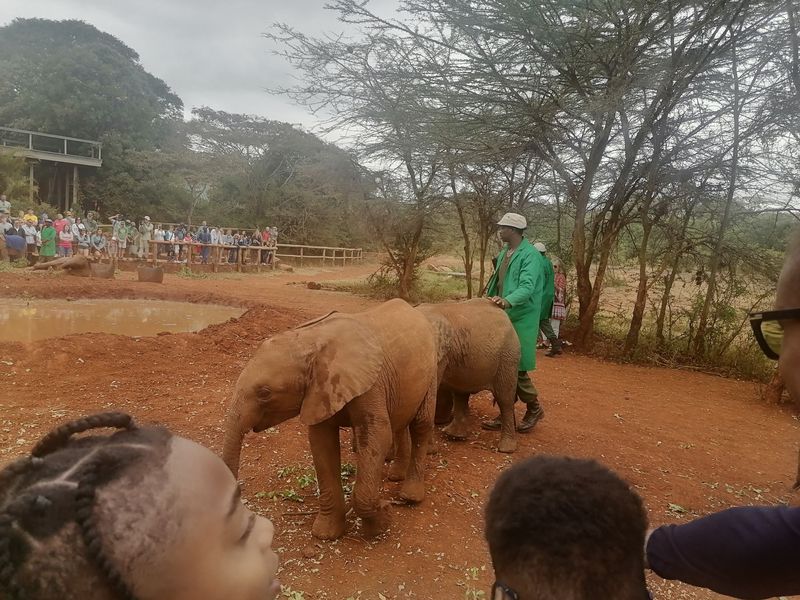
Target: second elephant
x,y
478,350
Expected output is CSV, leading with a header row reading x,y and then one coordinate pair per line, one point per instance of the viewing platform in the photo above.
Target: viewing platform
x,y
54,161
48,147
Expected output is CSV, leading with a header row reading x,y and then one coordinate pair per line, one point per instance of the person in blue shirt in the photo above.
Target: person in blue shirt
x,y
748,552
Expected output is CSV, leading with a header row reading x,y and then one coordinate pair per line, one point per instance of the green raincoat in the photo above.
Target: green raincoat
x,y
48,241
549,293
522,288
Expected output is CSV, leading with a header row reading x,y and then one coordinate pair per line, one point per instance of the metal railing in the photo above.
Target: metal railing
x,y
36,145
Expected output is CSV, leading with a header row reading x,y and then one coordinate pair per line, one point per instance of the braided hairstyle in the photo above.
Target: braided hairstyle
x,y
55,488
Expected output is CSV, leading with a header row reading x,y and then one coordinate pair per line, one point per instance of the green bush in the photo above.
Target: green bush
x,y
427,287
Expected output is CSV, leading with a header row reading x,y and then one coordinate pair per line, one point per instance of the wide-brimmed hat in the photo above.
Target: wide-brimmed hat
x,y
540,246
514,220
146,218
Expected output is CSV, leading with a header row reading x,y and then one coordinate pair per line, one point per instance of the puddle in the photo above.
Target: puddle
x,y
29,320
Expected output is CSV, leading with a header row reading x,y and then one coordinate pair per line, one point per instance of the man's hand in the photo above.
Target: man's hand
x,y
501,302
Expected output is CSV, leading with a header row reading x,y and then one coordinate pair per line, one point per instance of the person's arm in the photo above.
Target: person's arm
x,y
745,552
529,275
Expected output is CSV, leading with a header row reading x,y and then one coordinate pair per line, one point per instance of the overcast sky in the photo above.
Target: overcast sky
x,y
210,52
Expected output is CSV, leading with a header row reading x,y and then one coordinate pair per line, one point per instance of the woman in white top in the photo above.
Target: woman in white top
x,y
29,229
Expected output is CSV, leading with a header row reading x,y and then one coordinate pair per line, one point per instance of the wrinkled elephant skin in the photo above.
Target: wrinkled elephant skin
x,y
478,350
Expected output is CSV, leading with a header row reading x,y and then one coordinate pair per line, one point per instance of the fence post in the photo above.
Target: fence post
x,y
301,256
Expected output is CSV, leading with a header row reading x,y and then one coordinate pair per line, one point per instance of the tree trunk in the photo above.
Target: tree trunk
x,y
699,340
467,250
558,224
467,258
585,331
673,272
632,339
587,303
409,262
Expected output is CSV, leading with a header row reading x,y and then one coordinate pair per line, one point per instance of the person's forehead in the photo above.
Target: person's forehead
x,y
202,480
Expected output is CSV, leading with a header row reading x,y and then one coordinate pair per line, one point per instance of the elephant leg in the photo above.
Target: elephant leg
x,y
444,406
506,395
374,433
353,442
402,454
421,430
458,429
324,442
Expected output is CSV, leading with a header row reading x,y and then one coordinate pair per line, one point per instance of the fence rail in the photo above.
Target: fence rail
x,y
328,253
260,256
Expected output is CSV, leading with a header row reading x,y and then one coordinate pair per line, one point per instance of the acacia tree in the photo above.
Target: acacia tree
x,y
367,87
579,85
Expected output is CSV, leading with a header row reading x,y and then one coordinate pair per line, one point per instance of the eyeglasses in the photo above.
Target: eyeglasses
x,y
769,331
500,591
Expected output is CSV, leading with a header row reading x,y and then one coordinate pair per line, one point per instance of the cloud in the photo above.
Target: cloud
x,y
210,52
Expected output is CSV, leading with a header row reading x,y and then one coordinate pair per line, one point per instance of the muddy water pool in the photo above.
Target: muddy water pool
x,y
24,320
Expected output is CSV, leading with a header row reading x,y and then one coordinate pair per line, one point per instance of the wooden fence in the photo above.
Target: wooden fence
x,y
324,254
260,256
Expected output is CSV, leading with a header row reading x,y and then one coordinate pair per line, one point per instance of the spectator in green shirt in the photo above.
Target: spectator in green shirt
x,y
48,249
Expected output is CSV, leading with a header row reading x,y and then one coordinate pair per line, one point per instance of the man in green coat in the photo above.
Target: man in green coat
x,y
548,295
48,249
516,286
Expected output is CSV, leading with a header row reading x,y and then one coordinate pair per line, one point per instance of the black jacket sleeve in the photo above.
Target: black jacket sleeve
x,y
747,552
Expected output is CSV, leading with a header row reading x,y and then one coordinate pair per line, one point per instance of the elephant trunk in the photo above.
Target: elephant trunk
x,y
234,436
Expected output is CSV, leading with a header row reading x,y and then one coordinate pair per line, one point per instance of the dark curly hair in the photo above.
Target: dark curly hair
x,y
563,528
48,500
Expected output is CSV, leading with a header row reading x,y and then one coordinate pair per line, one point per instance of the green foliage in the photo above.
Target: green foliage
x,y
287,592
10,266
187,273
269,173
68,78
287,494
427,287
14,182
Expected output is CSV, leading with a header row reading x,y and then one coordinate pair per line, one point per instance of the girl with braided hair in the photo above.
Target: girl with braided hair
x,y
138,514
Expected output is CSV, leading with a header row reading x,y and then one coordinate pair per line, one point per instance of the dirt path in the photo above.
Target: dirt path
x,y
690,443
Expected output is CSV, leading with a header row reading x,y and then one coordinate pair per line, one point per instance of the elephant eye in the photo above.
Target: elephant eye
x,y
263,392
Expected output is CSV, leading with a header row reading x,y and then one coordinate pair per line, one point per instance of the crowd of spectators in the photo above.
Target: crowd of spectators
x,y
41,238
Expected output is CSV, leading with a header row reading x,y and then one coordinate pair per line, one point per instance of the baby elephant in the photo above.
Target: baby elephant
x,y
80,266
374,371
478,349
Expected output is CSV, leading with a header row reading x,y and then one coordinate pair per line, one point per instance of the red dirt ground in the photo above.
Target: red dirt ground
x,y
690,443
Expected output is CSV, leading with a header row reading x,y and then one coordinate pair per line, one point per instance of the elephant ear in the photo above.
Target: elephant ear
x,y
346,364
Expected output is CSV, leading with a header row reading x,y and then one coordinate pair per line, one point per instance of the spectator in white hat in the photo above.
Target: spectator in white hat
x,y
145,235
